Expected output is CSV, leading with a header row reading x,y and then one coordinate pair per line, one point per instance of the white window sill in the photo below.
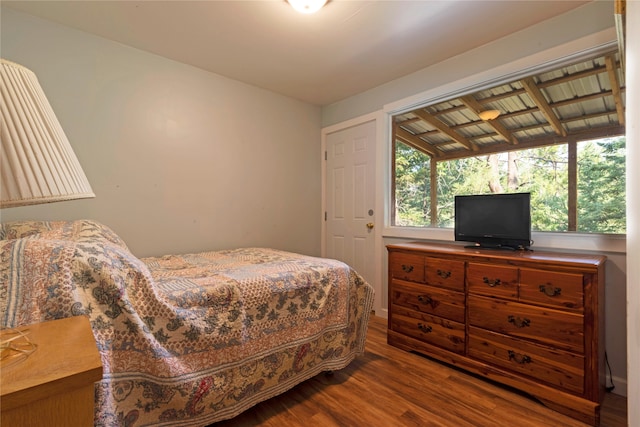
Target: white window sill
x,y
611,243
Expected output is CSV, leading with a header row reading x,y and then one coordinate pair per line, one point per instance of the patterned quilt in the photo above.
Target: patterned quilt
x,y
185,339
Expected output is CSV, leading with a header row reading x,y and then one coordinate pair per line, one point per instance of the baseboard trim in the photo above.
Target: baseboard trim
x,y
620,386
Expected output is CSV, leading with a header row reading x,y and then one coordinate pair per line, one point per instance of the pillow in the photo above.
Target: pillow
x,y
45,279
75,231
20,229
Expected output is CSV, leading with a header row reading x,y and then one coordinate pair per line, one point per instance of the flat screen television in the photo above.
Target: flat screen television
x,y
494,220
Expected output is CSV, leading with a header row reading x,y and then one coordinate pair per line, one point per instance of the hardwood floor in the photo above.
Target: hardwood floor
x,y
390,387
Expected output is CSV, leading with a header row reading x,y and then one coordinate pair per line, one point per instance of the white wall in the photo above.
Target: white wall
x,y
569,34
181,160
633,210
583,21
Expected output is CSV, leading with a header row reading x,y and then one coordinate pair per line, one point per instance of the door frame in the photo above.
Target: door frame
x,y
379,189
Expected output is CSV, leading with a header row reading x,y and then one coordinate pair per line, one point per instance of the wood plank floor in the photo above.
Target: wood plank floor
x,y
390,387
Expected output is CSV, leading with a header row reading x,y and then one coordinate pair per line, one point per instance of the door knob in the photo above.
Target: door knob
x,y
370,225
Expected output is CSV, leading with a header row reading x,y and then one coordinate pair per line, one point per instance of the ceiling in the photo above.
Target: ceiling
x,y
575,102
346,48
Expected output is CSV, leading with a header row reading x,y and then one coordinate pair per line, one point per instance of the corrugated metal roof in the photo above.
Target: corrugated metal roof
x,y
581,101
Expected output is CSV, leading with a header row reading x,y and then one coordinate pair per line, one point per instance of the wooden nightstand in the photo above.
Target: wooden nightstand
x,y
54,386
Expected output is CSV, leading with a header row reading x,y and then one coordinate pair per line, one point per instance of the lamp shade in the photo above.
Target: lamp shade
x,y
37,163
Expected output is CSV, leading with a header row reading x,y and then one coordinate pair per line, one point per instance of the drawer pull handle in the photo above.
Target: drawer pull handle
x,y
425,299
407,268
519,358
490,282
550,291
519,322
424,328
444,274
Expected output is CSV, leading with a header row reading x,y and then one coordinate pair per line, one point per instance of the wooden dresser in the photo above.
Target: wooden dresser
x,y
54,386
531,320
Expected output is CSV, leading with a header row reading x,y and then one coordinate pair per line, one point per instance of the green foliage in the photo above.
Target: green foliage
x,y
541,171
412,187
454,179
601,186
547,180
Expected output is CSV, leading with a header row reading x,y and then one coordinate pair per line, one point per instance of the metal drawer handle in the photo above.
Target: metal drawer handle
x,y
443,274
519,322
519,358
492,283
407,268
549,290
424,328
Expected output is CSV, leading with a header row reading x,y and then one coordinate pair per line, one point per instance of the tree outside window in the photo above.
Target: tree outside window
x,y
599,188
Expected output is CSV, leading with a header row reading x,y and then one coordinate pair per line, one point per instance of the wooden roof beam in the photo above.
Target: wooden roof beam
x,y
427,133
605,132
620,11
498,97
415,142
445,129
573,76
538,98
447,110
583,98
615,86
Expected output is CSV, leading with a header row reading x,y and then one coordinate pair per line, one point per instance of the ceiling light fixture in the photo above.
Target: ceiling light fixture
x,y
487,115
307,6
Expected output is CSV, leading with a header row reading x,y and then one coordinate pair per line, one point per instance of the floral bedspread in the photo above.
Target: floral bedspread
x,y
185,339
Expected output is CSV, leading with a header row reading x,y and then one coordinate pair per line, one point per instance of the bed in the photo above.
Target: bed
x,y
189,339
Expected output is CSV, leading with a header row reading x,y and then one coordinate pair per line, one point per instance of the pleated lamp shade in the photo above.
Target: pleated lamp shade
x,y
37,163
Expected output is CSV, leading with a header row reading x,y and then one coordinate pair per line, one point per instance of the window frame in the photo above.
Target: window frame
x,y
531,65
572,150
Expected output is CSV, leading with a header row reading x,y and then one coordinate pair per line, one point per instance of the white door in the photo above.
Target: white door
x,y
350,197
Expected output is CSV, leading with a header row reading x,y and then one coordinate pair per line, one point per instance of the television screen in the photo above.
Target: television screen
x,y
494,220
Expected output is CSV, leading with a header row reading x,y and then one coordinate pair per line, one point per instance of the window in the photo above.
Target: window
x,y
558,135
544,172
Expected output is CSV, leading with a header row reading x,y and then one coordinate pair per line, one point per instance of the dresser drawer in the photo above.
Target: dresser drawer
x,y
445,273
492,280
555,367
555,328
430,329
428,299
406,266
552,288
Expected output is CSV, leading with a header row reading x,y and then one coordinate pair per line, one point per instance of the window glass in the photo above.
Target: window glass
x,y
601,186
412,184
542,171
